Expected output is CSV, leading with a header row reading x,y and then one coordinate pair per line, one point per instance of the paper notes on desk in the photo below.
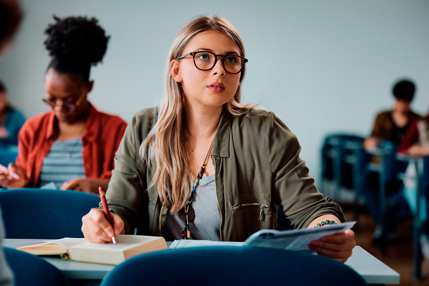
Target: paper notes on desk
x,y
79,249
194,243
294,239
283,239
50,186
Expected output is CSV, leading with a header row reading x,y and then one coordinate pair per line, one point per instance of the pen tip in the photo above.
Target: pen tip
x,y
113,240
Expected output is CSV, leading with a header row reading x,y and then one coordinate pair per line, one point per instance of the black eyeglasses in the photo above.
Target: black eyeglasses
x,y
205,61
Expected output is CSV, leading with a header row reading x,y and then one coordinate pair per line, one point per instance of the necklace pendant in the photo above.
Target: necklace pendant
x,y
183,234
191,214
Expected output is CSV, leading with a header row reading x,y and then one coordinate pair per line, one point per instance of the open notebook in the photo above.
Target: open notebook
x,y
79,249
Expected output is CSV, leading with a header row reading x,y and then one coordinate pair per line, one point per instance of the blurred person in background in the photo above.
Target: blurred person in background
x,y
10,19
11,120
74,144
389,126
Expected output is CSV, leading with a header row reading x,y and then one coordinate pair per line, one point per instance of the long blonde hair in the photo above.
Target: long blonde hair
x,y
167,145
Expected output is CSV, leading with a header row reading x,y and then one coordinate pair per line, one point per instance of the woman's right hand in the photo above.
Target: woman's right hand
x,y
96,228
12,177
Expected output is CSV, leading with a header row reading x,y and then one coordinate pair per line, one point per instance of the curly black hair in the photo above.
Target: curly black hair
x,y
75,44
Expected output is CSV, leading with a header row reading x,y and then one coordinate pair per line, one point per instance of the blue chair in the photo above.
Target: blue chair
x,y
381,185
417,198
29,269
45,214
342,159
425,184
231,265
7,156
7,143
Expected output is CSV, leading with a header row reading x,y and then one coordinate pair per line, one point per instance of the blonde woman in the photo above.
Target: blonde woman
x,y
209,160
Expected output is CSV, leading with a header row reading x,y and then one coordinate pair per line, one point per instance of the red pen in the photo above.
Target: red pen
x,y
106,211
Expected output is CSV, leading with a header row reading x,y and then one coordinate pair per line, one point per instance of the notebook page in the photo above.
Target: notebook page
x,y
123,242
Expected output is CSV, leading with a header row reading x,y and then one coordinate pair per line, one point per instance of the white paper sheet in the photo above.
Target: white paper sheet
x,y
294,239
196,243
50,186
283,239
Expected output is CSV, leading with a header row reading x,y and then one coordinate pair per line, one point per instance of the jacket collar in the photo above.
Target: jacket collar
x,y
91,129
221,140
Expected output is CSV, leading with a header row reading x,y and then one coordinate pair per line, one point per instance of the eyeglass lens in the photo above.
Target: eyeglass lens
x,y
206,61
54,103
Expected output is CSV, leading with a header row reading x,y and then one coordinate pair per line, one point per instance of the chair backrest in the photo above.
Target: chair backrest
x,y
29,269
49,214
7,156
334,153
6,143
231,265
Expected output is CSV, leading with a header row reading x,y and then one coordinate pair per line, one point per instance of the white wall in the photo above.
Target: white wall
x,y
321,66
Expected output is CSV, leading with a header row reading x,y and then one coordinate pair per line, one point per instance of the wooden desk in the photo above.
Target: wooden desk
x,y
369,267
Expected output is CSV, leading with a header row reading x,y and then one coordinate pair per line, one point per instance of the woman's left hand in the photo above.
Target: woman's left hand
x,y
81,185
337,246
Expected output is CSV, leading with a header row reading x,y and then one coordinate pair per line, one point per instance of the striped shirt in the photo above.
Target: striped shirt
x,y
64,162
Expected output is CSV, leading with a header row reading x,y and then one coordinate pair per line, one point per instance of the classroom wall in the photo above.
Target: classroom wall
x,y
321,66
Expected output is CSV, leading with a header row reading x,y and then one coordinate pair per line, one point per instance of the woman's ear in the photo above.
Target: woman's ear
x,y
175,71
90,86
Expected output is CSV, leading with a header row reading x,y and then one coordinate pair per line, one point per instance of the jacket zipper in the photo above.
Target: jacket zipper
x,y
262,207
218,206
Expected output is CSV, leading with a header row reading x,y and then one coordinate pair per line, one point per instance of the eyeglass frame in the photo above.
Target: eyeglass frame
x,y
243,60
66,105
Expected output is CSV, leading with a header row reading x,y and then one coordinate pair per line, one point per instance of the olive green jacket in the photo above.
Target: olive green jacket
x,y
257,168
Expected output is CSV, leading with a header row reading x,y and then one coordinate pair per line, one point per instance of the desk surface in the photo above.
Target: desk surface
x,y
369,267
